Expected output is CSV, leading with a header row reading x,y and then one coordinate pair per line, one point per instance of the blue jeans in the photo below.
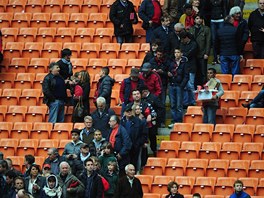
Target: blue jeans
x,y
258,101
175,94
56,111
189,98
230,63
124,39
209,114
214,27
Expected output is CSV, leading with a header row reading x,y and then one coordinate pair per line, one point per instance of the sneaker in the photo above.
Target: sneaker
x,y
162,125
170,126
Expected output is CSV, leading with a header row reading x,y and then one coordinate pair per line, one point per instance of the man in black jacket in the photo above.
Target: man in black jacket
x,y
123,15
65,64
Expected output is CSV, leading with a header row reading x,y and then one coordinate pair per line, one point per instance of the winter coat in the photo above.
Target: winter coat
x,y
189,50
48,192
153,82
124,189
256,22
104,88
41,182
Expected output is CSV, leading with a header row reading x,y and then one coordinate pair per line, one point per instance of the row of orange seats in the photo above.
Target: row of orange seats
x,y
204,185
156,195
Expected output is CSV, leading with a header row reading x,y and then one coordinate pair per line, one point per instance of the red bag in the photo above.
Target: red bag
x,y
74,184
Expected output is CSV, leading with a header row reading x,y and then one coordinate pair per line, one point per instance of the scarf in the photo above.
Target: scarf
x,y
69,64
53,192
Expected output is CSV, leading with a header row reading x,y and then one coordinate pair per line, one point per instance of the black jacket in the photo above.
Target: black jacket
x,y
120,15
189,50
242,35
64,70
175,41
218,9
104,88
124,190
164,66
41,182
160,34
255,22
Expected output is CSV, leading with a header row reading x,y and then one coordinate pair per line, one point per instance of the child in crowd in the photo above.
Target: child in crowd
x,y
112,177
52,188
106,156
98,141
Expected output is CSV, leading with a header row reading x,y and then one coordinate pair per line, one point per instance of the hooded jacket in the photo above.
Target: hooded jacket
x,y
48,192
104,88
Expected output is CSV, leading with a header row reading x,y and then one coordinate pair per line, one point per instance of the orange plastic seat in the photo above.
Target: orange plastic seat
x,y
95,65
115,98
230,99
96,20
256,169
129,50
34,6
255,116
32,49
24,80
3,110
16,5
214,196
9,34
38,65
226,80
27,34
13,49
53,6
116,65
62,145
250,185
260,187
175,167
90,6
10,97
185,184
118,79
61,131
4,64
139,35
160,184
246,97
79,64
202,132
5,19
224,186
251,151
103,35
74,47
204,185
18,65
21,130
44,145
41,130
109,50
17,162
90,50
253,67
189,150
257,83
236,115
59,19
243,133
30,97
144,49
241,82
181,131
210,150
259,134
155,166
8,146
223,132
51,50
45,34
5,128
217,168
196,167
3,4
64,35
38,80
40,20
194,114
146,181
238,168
133,63
105,6
72,6
151,195
78,125
36,114
84,35
27,147
168,149
21,20
78,20
230,150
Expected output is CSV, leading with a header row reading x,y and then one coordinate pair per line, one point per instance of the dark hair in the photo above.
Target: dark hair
x,y
52,64
160,49
76,131
162,18
88,160
105,70
238,182
116,118
212,69
155,42
52,178
177,48
170,185
66,52
198,15
20,178
11,174
4,164
107,145
35,166
136,90
30,159
184,34
197,195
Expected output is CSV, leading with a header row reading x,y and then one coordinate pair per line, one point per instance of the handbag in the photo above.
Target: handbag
x,y
79,109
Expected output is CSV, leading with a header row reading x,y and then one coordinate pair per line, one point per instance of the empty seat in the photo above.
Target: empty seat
x,y
84,35
168,149
9,34
32,50
189,150
64,35
109,50
241,82
202,132
129,50
251,151
243,133
146,181
230,150
40,20
34,6
24,80
3,110
256,169
103,35
133,63
90,6
59,19
223,132
204,185
196,167
175,167
185,184
230,99
16,5
21,20
36,114
44,145
38,65
225,79
160,184
260,187
5,19
53,6
51,50
139,35
13,49
27,147
151,195
236,115
72,6
21,130
29,97
61,131
253,67
18,65
74,47
41,130
95,65
224,186
116,65
45,34
38,80
181,131
90,50
155,166
79,64
259,134
27,34
257,83
238,168
246,97
5,128
62,145
96,20
10,96
194,114
217,168
105,6
255,116
210,150
8,146
144,49
78,20
250,185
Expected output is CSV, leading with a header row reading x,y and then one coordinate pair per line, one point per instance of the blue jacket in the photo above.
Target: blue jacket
x,y
160,33
240,195
127,88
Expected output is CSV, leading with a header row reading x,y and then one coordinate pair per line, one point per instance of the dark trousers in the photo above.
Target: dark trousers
x,y
258,49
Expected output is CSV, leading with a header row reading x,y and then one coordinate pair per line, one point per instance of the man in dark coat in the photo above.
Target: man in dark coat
x,y
174,37
87,133
123,15
54,160
65,64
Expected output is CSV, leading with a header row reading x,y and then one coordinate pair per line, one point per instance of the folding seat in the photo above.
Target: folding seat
x,y
236,115
253,67
168,149
40,20
4,64
196,167
41,130
44,145
21,130
248,52
109,50
10,97
139,35
34,6
79,64
3,110
30,97
95,65
144,49
16,6
230,99
202,132
133,63
21,20
27,147
217,168
238,168
260,187
53,6
225,79
151,195
61,131
78,125
230,150
259,134
17,162
18,65
68,114
256,169
160,184
78,20
62,145
103,35
90,6
109,23
36,114
8,146
189,150
146,181
74,47
24,80
251,151
3,4
241,82
38,80
59,19
27,34
243,133
224,186
115,98
136,4
223,132
155,166
257,83
38,65
5,128
185,184
194,114
5,20
96,20
84,35
9,34
116,65
72,6
181,131
255,116
210,150
175,167
246,97
32,50
51,50
46,34
90,50
129,50
105,6
250,185
64,35
13,49
204,185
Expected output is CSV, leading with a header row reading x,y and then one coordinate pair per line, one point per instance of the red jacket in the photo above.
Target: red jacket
x,y
153,82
